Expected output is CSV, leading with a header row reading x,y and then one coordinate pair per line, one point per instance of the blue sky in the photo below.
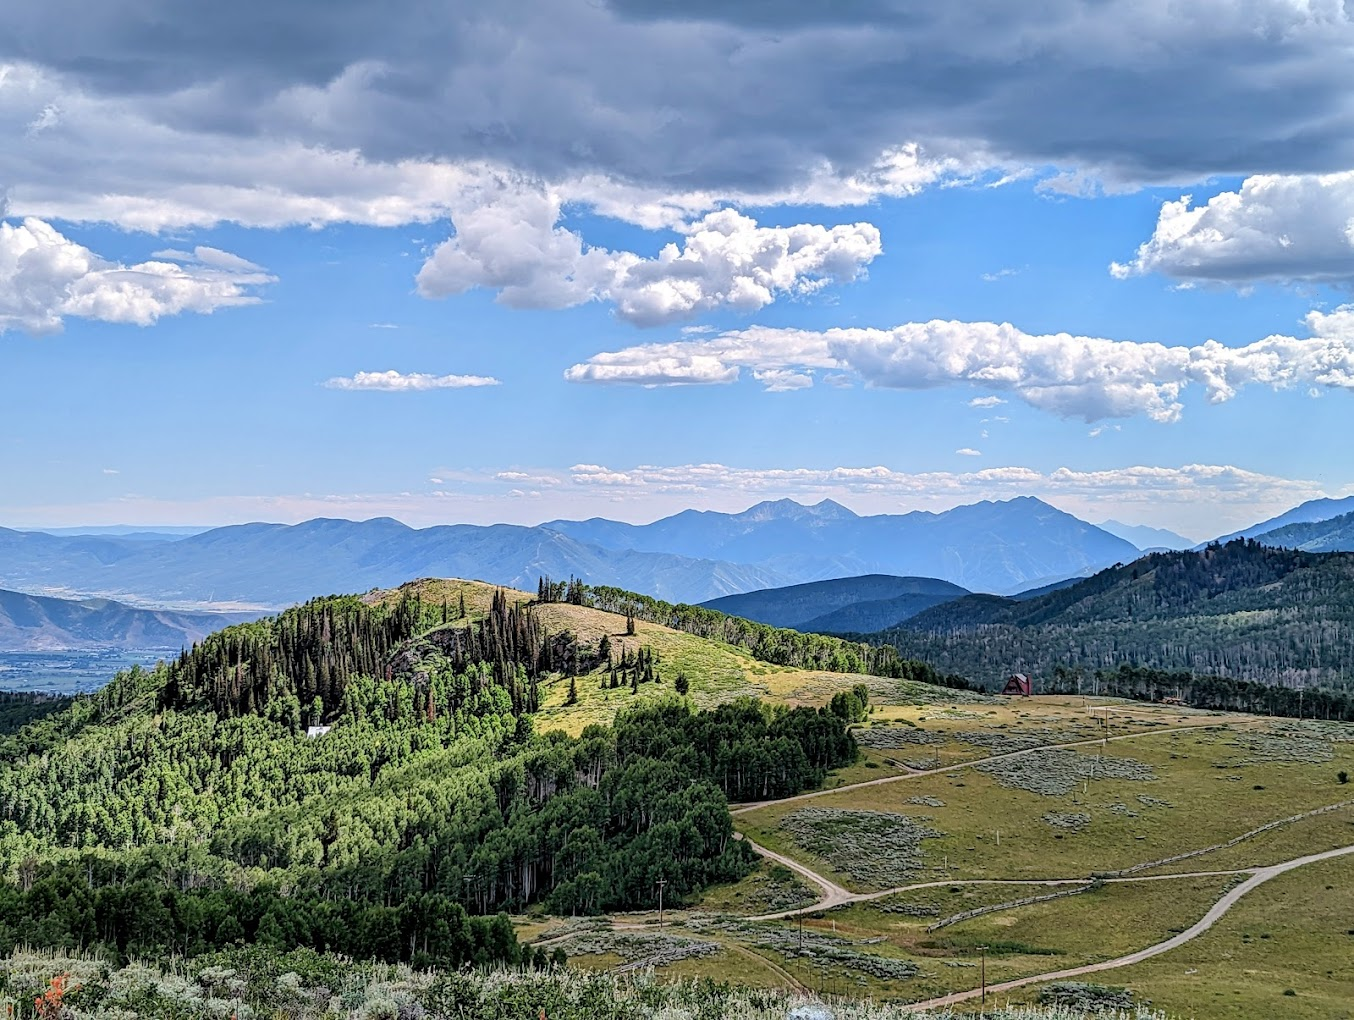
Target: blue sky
x,y
205,268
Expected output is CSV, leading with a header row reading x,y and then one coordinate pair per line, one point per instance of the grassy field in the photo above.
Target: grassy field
x,y
1291,934
1189,789
1172,781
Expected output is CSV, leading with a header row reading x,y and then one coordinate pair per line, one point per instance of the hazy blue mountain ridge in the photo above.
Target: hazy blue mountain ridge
x,y
37,623
816,605
272,565
1312,511
992,546
1334,535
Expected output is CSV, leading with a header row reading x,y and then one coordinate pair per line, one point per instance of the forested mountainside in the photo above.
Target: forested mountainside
x,y
841,604
1240,610
19,708
1312,512
1334,535
38,623
186,808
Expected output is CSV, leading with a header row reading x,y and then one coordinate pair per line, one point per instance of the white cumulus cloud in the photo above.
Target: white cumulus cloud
x,y
400,382
1274,227
514,244
46,278
1074,376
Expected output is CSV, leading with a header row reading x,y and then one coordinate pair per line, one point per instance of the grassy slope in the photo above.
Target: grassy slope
x,y
1291,933
717,672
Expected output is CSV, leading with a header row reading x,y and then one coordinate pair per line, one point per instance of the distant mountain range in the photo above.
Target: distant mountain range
x,y
990,546
30,623
1334,535
867,603
1146,538
273,565
693,556
1247,611
1310,512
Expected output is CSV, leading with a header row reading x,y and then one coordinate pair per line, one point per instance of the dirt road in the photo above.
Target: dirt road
x,y
1258,877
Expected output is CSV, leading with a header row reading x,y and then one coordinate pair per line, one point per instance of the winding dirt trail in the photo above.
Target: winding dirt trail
x,y
836,896
1258,877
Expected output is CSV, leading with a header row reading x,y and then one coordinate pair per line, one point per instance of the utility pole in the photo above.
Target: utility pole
x,y
983,977
662,882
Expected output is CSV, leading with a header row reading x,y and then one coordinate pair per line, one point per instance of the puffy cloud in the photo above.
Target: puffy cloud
x,y
716,360
968,451
1285,228
1083,377
515,246
46,278
399,382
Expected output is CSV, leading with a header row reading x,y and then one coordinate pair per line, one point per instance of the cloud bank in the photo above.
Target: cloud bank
x,y
398,382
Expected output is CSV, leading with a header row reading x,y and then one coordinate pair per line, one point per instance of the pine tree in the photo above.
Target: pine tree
x,y
573,692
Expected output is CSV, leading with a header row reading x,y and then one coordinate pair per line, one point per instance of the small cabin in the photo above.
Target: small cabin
x,y
316,731
1017,683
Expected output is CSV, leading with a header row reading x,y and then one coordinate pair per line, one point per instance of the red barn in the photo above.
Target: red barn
x,y
1019,683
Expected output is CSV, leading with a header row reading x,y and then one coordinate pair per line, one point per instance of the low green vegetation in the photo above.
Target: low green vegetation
x,y
248,984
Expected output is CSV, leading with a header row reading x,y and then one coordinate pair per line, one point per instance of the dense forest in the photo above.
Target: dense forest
x,y
1201,691
19,708
1241,611
186,808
